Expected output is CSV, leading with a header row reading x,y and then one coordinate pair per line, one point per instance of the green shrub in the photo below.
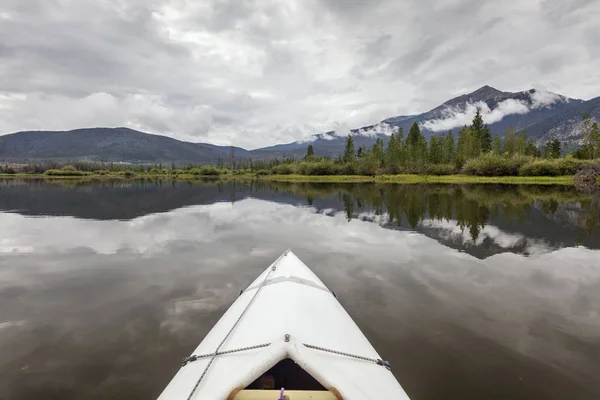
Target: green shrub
x,y
322,167
262,172
495,165
350,169
570,165
66,171
553,167
209,171
203,171
303,168
367,166
439,169
284,169
540,168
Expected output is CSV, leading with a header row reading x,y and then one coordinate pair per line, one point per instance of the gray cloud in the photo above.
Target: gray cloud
x,y
255,73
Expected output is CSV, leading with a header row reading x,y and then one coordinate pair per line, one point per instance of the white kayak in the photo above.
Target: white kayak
x,y
285,333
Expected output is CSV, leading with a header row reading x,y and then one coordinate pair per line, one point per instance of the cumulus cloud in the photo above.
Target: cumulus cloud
x,y
260,73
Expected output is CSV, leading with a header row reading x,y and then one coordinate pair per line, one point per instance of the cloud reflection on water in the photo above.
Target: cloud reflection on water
x,y
182,268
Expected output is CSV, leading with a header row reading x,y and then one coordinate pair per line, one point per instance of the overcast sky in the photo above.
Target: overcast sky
x,y
255,73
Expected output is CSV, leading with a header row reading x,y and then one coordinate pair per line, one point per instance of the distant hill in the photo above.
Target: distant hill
x,y
544,115
109,145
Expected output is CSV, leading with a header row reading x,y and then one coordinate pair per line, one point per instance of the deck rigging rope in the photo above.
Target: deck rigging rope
x,y
377,361
193,358
214,355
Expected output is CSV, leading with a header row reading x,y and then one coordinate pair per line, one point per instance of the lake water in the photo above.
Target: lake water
x,y
471,292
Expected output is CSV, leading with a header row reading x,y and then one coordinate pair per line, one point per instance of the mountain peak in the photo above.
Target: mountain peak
x,y
484,93
487,90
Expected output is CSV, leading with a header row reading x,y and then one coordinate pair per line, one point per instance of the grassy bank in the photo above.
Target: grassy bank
x,y
412,179
401,178
128,177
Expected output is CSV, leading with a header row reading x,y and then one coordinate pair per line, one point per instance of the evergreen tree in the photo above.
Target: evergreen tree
x,y
477,124
462,149
400,137
469,144
349,151
393,153
531,149
359,152
583,153
434,157
552,149
310,151
556,147
416,147
378,151
497,145
547,150
414,135
449,150
437,149
510,141
595,140
588,141
389,157
400,149
486,139
478,131
521,143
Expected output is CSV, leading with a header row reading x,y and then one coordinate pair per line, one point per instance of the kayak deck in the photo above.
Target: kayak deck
x,y
291,331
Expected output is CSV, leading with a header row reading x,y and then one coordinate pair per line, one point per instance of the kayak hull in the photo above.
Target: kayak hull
x,y
286,307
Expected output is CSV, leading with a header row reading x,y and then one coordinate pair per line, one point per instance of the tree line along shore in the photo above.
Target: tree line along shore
x,y
474,155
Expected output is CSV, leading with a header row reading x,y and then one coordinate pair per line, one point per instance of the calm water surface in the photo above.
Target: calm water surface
x,y
471,292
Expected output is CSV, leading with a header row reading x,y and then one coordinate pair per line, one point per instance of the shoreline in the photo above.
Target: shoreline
x,y
397,179
420,179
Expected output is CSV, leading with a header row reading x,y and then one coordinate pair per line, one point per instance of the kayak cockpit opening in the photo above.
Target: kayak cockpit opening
x,y
297,384
286,374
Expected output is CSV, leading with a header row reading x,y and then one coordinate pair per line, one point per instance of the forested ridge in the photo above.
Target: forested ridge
x,y
474,151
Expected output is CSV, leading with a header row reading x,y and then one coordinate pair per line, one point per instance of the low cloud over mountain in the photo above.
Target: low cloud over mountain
x,y
456,117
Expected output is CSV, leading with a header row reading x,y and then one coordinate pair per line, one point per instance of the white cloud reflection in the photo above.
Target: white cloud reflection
x,y
506,298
